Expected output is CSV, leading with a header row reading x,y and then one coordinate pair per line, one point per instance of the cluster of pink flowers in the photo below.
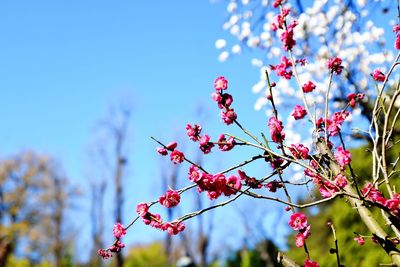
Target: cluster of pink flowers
x,y
310,263
170,199
205,143
214,184
287,36
334,124
353,98
279,20
224,100
298,222
176,156
373,194
299,151
224,144
119,231
343,157
154,220
276,130
326,188
282,68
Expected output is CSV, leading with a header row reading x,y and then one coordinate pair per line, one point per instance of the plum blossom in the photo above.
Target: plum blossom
x,y
298,221
119,230
378,75
170,199
177,156
342,156
298,112
276,130
220,83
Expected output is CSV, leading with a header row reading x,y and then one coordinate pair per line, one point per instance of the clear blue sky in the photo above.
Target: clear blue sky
x,y
62,63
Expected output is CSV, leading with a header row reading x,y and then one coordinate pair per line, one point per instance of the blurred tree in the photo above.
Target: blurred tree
x,y
34,197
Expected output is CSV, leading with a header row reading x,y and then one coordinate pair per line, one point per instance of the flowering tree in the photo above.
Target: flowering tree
x,y
325,161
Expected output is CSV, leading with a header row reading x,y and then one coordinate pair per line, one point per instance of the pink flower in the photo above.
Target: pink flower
x,y
287,37
360,240
105,254
340,181
172,145
276,130
310,263
177,157
228,116
298,221
193,131
227,144
279,20
278,3
220,83
299,240
142,209
352,98
119,230
173,228
282,68
397,42
170,199
298,112
205,144
378,75
299,151
223,100
233,185
194,174
335,123
335,65
162,151
308,87
342,156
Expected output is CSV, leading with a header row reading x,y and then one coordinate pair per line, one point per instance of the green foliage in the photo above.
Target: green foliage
x,y
152,255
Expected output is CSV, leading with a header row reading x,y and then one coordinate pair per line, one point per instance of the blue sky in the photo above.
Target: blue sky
x,y
63,63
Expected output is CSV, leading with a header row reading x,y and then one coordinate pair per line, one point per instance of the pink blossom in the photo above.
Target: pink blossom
x,y
298,112
142,209
352,98
228,116
360,240
282,68
105,254
194,174
392,204
310,263
299,151
220,83
335,65
340,180
335,123
170,199
177,157
226,145
287,37
279,20
397,42
251,182
233,185
162,151
378,75
298,221
119,230
300,239
172,145
278,3
223,100
308,87
116,248
193,131
173,228
276,130
205,144
373,194
342,156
